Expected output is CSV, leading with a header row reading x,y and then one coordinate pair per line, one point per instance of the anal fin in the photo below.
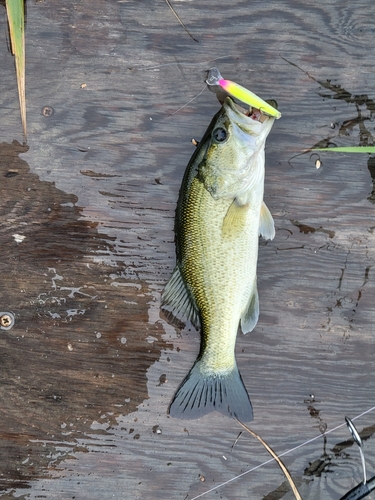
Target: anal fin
x,y
266,223
249,318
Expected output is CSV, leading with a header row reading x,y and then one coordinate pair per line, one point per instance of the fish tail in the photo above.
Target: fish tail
x,y
200,394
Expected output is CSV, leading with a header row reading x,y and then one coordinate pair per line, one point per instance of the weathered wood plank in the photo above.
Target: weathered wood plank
x,y
94,197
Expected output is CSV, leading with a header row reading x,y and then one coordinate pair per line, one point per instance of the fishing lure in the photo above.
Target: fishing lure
x,y
217,84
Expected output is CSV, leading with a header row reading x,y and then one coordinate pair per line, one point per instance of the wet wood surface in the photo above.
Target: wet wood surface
x,y
87,245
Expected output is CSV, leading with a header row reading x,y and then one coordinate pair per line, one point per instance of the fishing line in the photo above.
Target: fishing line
x,y
147,68
191,100
281,455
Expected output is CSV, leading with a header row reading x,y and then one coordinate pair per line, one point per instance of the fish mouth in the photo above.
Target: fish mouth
x,y
253,113
246,118
256,114
251,120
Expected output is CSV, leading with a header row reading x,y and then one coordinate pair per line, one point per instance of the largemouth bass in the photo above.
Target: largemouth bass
x,y
220,214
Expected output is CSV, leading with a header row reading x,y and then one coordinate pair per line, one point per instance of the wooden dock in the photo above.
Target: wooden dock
x,y
87,244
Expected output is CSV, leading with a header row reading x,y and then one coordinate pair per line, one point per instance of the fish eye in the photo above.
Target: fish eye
x,y
219,135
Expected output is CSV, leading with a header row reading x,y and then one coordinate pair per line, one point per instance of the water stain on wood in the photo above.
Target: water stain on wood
x,y
78,352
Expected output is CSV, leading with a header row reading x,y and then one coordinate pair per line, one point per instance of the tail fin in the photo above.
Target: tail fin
x,y
200,394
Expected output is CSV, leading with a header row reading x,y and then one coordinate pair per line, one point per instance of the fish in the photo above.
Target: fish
x,y
219,217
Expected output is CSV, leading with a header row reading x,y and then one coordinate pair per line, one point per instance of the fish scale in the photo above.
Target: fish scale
x,y
214,267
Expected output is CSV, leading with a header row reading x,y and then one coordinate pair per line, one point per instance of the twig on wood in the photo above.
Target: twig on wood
x,y
179,20
237,438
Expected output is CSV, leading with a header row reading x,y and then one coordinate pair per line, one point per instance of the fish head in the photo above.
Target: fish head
x,y
234,161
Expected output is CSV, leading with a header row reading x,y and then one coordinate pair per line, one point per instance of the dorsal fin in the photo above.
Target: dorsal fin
x,y
178,302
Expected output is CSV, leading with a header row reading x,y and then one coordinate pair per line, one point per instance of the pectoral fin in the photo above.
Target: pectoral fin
x,y
266,223
249,318
235,220
178,302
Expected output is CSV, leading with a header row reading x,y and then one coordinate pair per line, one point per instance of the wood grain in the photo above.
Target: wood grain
x,y
90,366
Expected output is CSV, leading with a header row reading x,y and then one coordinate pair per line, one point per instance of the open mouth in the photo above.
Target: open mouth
x,y
255,113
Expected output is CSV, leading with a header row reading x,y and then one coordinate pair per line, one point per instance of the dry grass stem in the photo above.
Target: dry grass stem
x,y
179,20
278,460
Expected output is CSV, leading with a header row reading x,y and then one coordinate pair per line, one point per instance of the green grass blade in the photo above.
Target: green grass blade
x,y
348,149
16,20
